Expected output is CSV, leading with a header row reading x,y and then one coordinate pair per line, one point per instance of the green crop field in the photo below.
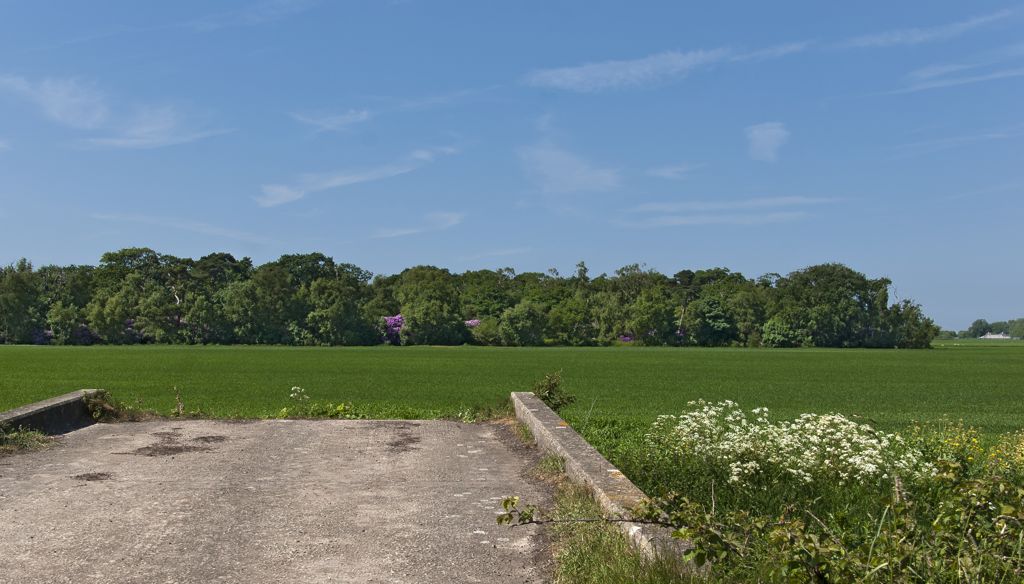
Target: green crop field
x,y
980,384
953,343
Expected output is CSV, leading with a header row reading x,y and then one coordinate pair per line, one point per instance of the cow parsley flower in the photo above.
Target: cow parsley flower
x,y
810,448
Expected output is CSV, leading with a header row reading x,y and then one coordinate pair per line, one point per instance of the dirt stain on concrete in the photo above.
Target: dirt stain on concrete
x,y
93,476
170,444
403,443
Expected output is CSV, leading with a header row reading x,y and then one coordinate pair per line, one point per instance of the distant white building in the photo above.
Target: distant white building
x,y
1001,336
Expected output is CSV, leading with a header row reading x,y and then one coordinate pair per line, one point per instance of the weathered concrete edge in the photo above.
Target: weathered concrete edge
x,y
616,494
56,415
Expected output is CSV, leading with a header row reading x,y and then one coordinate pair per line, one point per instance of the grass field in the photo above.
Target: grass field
x,y
982,384
978,343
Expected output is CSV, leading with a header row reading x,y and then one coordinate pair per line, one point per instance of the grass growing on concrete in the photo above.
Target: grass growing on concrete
x,y
19,439
523,432
106,408
594,553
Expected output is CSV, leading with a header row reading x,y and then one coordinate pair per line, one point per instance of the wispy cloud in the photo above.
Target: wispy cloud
x,y
1013,52
279,194
111,32
916,36
732,205
721,219
753,211
675,171
77,104
333,122
254,14
182,225
626,73
1008,187
71,102
437,221
943,82
559,171
384,106
429,154
4,145
938,144
497,253
939,70
154,127
251,15
774,52
978,68
652,69
440,99
765,140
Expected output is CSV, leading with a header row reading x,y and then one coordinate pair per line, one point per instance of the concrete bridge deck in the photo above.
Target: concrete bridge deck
x,y
269,501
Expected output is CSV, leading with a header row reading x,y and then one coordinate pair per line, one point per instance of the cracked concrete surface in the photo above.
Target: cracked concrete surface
x,y
269,501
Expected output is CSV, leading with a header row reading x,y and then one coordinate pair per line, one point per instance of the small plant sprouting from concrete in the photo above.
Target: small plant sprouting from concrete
x,y
524,433
587,546
550,391
303,408
106,408
514,515
179,406
466,416
530,515
550,469
17,439
551,466
481,413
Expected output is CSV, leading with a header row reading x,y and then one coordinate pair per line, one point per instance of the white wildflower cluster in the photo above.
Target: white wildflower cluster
x,y
298,394
810,448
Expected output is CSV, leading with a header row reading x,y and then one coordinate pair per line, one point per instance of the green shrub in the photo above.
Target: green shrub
x,y
827,499
431,322
488,332
523,325
550,391
783,331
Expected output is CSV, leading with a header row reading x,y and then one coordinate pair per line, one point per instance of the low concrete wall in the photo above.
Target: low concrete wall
x,y
616,494
56,415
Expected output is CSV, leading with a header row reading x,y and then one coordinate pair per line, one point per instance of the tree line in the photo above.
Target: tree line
x,y
137,295
981,327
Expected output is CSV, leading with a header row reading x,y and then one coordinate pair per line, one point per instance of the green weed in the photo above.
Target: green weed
x,y
19,439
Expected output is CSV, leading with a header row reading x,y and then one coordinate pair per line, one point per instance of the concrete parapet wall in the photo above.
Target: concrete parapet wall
x,y
56,415
616,494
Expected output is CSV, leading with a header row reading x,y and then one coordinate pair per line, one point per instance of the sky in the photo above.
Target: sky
x,y
760,136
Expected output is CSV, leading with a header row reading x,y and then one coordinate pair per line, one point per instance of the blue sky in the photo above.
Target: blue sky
x,y
759,136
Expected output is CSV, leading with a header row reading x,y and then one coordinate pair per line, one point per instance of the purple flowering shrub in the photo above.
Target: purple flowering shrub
x,y
392,329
